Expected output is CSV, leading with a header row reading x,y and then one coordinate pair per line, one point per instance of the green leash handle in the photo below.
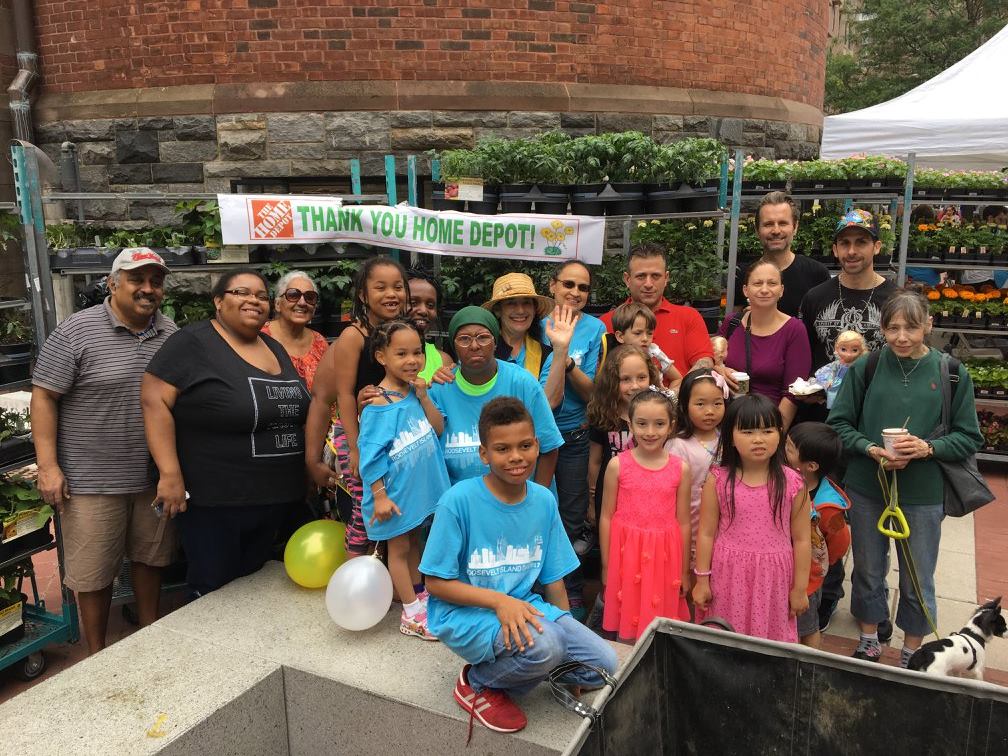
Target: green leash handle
x,y
901,531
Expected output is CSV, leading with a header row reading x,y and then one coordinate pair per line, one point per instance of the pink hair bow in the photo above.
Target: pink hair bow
x,y
721,383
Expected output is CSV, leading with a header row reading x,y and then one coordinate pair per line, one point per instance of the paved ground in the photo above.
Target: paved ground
x,y
971,568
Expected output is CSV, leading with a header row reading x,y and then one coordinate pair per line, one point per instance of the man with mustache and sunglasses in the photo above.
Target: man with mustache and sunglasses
x,y
89,440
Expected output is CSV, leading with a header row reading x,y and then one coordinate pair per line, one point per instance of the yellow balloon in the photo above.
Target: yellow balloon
x,y
314,552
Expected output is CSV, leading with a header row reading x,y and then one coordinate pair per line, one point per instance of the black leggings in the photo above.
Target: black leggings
x,y
225,543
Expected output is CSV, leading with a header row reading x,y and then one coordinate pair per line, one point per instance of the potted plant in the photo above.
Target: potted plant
x,y
929,183
453,164
701,169
12,604
588,157
202,226
15,437
765,175
822,176
10,228
551,173
24,517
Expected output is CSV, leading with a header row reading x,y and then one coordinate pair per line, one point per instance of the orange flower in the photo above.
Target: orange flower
x,y
933,295
967,296
951,294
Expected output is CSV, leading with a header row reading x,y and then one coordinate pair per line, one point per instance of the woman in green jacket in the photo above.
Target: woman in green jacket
x,y
904,392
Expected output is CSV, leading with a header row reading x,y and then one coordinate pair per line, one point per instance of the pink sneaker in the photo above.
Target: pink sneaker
x,y
416,626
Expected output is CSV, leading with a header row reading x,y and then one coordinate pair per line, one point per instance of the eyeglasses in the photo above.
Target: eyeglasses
x,y
465,340
294,296
582,287
262,296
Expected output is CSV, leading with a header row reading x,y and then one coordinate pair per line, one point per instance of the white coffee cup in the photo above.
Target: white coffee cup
x,y
742,379
891,435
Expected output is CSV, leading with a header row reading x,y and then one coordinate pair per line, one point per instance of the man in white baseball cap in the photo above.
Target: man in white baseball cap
x,y
92,455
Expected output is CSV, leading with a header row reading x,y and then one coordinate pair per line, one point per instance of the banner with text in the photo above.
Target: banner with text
x,y
290,219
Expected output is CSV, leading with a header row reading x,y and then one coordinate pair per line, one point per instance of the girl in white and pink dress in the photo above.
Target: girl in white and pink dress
x,y
702,398
754,544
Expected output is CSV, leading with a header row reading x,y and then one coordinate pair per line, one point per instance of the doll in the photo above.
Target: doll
x,y
720,346
849,345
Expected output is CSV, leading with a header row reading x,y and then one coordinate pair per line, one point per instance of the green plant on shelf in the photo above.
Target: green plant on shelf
x,y
13,423
10,227
817,170
15,327
21,506
873,166
186,307
765,169
64,236
200,222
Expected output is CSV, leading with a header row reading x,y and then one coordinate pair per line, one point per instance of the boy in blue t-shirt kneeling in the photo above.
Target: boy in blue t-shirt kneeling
x,y
494,537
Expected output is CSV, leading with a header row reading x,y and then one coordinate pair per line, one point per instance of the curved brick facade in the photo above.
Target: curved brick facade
x,y
775,48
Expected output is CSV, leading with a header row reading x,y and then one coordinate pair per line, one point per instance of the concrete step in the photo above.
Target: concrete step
x,y
258,667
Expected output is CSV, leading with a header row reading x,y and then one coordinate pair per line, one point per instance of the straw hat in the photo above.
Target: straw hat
x,y
514,286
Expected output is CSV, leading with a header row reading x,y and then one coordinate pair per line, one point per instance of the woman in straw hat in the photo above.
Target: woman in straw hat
x,y
518,309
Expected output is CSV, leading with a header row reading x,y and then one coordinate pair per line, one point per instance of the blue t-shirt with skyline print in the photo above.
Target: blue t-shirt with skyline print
x,y
397,443
461,403
480,540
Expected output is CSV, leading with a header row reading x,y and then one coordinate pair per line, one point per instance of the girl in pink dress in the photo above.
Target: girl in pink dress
x,y
702,398
644,527
753,547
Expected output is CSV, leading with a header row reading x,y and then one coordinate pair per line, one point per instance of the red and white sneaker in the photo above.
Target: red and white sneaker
x,y
493,708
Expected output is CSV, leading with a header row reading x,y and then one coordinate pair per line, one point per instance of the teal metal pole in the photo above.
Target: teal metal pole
x,y
390,189
355,184
736,211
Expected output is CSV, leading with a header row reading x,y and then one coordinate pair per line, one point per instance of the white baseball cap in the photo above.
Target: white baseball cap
x,y
137,257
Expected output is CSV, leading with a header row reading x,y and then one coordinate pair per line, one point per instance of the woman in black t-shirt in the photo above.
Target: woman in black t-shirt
x,y
224,411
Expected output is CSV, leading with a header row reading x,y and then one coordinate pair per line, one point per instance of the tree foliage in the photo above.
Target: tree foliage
x,y
898,44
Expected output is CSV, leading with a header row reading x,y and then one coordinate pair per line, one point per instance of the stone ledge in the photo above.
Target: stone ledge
x,y
293,97
258,667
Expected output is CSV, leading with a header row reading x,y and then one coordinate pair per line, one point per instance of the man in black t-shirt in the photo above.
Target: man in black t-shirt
x,y
776,224
853,300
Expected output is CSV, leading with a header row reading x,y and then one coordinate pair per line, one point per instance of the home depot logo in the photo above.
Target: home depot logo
x,y
272,219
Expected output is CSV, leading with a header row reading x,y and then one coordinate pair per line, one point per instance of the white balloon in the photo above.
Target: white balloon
x,y
359,593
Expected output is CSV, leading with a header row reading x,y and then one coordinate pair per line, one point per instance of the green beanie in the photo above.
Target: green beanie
x,y
473,315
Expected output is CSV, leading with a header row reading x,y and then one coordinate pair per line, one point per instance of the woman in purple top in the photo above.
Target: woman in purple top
x,y
778,348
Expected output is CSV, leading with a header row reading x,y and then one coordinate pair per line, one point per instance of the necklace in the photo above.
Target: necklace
x,y
388,393
906,375
839,287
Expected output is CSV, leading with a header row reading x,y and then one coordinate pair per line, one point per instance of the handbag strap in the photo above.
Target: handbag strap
x,y
748,346
946,391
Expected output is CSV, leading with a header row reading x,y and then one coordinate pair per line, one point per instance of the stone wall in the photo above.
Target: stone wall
x,y
205,153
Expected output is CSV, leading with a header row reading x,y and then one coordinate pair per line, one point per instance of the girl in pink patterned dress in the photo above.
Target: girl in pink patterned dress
x,y
753,547
644,527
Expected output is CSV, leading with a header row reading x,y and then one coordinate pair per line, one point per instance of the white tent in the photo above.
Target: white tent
x,y
958,119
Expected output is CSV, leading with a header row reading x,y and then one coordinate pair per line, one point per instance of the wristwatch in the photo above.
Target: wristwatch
x,y
570,365
930,451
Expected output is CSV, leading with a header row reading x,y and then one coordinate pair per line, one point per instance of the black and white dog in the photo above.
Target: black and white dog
x,y
962,653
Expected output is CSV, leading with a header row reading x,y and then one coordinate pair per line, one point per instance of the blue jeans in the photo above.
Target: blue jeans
x,y
571,478
871,563
518,672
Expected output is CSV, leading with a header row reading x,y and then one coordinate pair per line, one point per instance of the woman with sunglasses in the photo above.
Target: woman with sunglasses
x,y
570,287
224,413
294,304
